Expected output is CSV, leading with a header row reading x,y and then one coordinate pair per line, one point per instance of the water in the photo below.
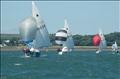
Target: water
x,y
74,65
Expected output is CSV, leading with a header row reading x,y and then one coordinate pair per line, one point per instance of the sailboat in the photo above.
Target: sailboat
x,y
64,37
33,32
115,47
99,40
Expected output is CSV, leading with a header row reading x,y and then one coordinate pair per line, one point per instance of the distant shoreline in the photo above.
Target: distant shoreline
x,y
54,48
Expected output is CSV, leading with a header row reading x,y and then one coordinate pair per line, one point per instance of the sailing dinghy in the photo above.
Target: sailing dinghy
x,y
99,40
34,33
64,37
115,47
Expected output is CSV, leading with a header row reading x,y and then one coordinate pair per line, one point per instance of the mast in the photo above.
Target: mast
x,y
66,24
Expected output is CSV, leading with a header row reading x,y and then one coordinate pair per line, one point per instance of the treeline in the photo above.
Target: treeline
x,y
79,40
87,40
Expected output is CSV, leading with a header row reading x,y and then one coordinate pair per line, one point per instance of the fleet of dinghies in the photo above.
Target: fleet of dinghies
x,y
35,35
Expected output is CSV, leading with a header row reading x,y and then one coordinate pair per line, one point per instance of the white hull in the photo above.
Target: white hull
x,y
60,53
64,50
98,51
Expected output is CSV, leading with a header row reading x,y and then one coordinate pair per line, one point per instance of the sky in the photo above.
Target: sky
x,y
84,17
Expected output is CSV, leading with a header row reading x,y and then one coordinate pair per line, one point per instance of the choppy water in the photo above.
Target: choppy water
x,y
74,65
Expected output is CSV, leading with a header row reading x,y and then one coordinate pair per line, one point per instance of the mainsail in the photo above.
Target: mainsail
x,y
114,46
103,41
33,30
69,43
64,37
42,33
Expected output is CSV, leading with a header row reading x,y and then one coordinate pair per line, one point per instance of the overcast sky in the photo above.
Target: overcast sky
x,y
84,17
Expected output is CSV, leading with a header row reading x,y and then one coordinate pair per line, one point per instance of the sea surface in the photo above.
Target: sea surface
x,y
74,65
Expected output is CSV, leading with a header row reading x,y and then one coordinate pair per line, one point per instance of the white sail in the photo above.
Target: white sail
x,y
41,26
45,35
103,41
114,47
36,15
69,43
38,42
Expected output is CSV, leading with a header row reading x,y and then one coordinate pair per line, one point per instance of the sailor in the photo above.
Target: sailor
x,y
59,50
26,51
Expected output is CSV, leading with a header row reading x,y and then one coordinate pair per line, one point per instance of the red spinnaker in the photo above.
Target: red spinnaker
x,y
96,40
